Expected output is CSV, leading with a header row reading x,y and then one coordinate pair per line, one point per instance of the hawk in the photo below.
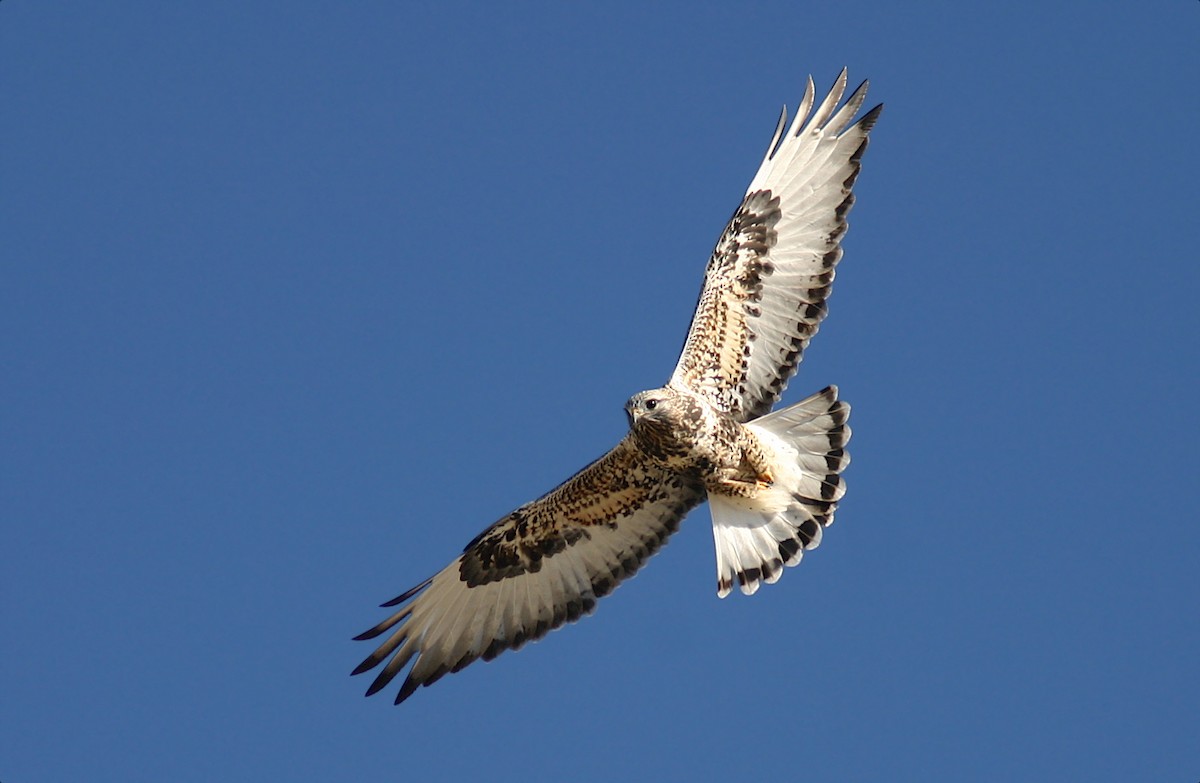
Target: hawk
x,y
772,479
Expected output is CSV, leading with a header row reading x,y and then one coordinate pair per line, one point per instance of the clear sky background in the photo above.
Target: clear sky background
x,y
298,297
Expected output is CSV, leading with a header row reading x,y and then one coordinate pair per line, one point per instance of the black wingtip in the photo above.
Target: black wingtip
x,y
406,595
365,666
406,690
870,118
371,633
381,680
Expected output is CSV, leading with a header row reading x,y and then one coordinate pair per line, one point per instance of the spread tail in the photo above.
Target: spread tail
x,y
757,537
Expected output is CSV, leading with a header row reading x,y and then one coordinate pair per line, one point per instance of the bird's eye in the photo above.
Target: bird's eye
x,y
651,404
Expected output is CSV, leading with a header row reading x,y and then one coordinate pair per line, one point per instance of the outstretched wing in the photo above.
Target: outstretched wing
x,y
543,565
764,291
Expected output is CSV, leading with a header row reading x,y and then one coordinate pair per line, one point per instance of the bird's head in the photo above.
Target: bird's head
x,y
656,406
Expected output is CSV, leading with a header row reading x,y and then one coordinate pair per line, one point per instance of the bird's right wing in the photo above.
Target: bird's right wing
x,y
764,291
541,566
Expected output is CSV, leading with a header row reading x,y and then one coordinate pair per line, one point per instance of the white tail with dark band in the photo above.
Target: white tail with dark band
x,y
757,537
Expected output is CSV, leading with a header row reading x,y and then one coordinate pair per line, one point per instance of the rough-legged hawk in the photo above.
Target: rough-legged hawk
x,y
772,480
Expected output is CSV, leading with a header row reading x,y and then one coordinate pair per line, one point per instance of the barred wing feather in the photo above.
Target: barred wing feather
x,y
765,287
541,566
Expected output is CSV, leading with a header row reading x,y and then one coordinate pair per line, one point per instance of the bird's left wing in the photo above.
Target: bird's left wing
x,y
765,287
541,566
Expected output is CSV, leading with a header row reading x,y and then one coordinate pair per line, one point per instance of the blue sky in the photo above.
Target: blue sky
x,y
298,297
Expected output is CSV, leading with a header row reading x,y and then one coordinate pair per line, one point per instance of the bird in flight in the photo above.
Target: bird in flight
x,y
772,479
